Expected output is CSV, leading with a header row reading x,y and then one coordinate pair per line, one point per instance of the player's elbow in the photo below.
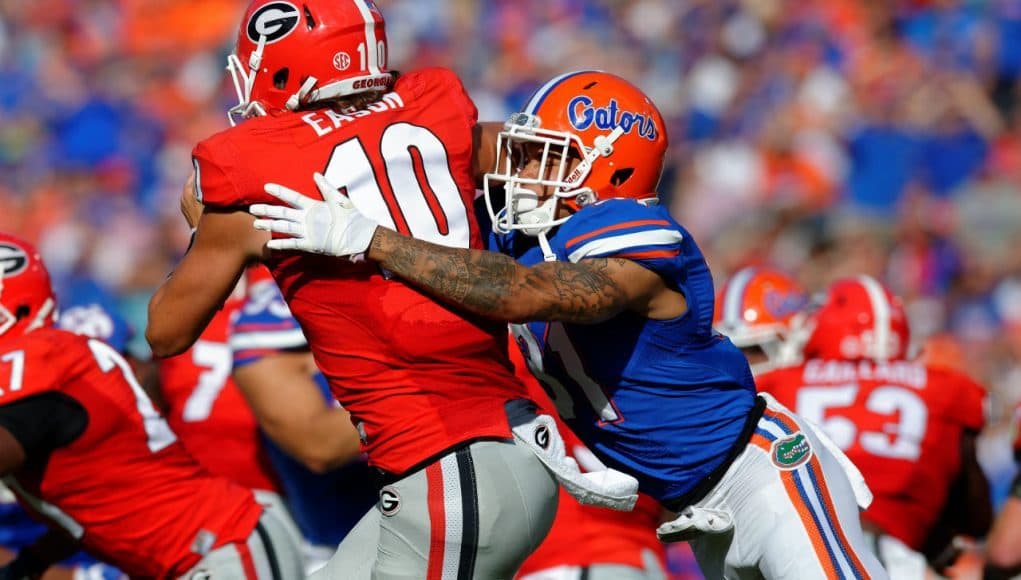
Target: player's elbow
x,y
317,462
163,343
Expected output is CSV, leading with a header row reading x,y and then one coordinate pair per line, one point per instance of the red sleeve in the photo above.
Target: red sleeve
x,y
969,402
215,161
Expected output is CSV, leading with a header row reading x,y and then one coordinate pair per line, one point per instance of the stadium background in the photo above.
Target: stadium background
x,y
826,137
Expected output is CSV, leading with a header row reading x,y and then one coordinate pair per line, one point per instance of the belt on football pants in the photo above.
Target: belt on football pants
x,y
709,482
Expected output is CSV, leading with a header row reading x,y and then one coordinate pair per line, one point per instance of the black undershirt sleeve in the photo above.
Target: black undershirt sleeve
x,y
43,423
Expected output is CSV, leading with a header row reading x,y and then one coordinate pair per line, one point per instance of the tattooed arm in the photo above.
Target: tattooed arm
x,y
496,286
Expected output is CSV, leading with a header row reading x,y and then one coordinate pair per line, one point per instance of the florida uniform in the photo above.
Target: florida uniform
x,y
900,422
588,541
426,386
109,471
673,403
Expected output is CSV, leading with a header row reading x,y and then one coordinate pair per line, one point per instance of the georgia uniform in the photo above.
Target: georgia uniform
x,y
900,422
417,377
324,506
119,481
208,412
427,386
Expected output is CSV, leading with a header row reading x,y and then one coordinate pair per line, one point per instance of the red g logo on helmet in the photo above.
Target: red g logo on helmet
x,y
274,21
290,55
13,260
26,296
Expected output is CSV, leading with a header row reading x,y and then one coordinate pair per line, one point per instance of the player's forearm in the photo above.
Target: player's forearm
x,y
320,443
496,286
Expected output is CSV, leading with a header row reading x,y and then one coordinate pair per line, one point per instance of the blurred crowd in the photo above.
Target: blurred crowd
x,y
826,137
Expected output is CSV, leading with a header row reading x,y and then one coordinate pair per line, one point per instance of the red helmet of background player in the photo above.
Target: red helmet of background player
x,y
291,54
607,122
754,309
26,295
859,319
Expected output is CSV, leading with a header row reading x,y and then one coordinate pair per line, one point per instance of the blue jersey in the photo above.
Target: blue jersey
x,y
663,400
325,506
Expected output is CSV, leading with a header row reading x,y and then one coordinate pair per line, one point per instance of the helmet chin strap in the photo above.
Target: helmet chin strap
x,y
298,98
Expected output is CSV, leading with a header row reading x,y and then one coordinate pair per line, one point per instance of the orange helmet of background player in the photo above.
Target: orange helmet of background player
x,y
859,319
755,308
609,124
26,295
290,54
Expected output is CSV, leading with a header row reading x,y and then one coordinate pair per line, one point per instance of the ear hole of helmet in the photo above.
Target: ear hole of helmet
x,y
310,22
280,78
23,311
621,176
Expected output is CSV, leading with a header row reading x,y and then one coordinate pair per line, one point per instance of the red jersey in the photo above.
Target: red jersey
x,y
124,487
418,377
208,412
900,422
584,535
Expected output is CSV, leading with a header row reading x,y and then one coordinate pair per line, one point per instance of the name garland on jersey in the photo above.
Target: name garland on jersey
x,y
326,121
839,371
583,115
274,21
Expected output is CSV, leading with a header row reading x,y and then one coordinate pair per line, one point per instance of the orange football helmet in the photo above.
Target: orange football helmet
x,y
292,54
858,319
26,295
603,120
755,309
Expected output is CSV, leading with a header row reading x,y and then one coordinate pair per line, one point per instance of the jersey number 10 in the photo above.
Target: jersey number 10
x,y
418,194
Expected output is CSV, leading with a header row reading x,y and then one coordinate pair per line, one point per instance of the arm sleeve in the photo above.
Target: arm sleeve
x,y
264,326
45,422
622,229
213,185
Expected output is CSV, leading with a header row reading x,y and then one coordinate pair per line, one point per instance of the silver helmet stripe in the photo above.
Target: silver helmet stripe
x,y
881,315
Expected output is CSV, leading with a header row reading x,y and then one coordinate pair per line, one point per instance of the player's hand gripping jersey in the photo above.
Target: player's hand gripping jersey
x,y
123,485
418,377
609,380
208,412
900,422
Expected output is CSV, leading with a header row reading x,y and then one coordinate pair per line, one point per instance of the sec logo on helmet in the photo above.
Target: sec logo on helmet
x,y
13,260
274,21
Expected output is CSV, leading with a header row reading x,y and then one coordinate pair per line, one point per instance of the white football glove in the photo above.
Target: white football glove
x,y
604,487
332,226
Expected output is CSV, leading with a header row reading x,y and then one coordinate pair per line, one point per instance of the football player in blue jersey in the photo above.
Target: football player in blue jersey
x,y
614,305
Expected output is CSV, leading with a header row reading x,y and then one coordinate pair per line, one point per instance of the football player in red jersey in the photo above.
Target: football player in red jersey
x,y
430,389
754,310
909,427
84,449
